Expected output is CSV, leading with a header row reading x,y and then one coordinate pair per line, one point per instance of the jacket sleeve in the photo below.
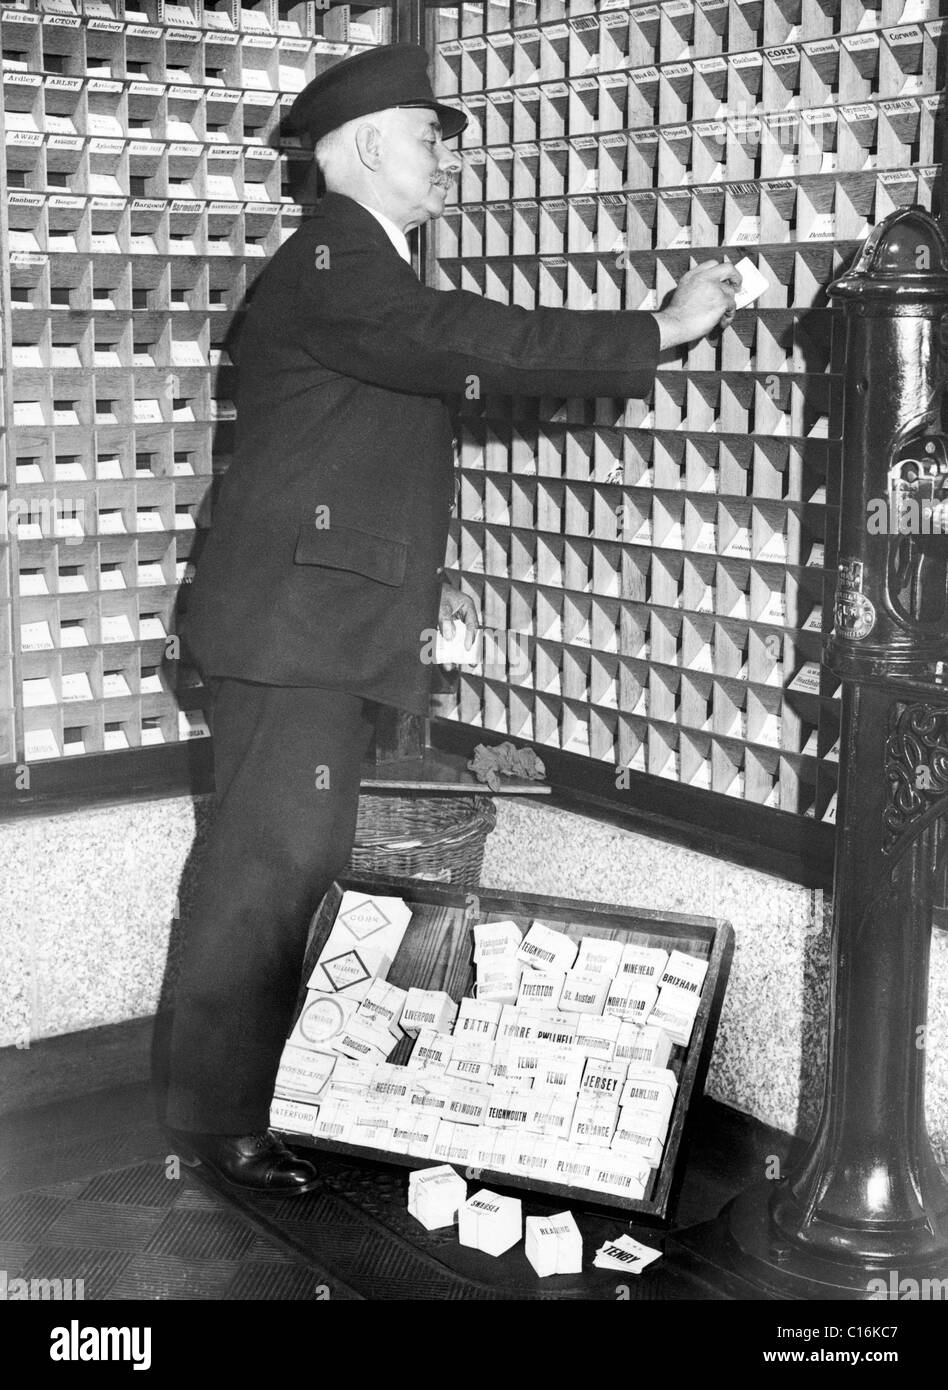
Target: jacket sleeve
x,y
367,316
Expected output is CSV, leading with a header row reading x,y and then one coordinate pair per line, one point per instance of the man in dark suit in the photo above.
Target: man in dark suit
x,y
319,586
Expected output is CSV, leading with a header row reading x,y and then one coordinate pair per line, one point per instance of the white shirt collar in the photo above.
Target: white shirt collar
x,y
395,234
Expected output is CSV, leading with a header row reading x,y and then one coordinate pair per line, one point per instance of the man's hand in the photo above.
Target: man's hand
x,y
703,298
455,605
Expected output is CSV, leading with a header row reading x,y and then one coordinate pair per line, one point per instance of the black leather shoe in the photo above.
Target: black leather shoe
x,y
261,1162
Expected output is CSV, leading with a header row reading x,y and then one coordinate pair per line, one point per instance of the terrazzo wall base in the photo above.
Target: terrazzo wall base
x,y
90,899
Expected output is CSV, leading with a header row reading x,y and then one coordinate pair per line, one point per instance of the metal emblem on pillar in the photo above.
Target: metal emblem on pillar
x,y
866,1209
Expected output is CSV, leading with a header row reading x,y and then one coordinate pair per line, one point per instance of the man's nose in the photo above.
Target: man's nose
x,y
450,161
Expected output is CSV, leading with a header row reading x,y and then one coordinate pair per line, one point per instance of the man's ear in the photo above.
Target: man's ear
x,y
368,140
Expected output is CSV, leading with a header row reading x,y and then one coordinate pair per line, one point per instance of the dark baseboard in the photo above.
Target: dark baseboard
x,y
75,1064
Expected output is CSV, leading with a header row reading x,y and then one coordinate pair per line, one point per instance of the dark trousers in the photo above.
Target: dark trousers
x,y
286,766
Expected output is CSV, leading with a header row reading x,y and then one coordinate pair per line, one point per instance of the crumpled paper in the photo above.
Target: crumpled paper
x,y
505,760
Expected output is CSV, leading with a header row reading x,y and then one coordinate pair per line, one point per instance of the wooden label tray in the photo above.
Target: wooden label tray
x,y
437,953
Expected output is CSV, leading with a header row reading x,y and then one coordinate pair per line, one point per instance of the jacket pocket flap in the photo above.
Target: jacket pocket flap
x,y
345,548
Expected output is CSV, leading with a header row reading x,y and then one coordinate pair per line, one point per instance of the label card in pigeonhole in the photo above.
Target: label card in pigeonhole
x,y
753,283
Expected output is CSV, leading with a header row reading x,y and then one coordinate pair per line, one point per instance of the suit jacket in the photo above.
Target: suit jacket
x,y
322,563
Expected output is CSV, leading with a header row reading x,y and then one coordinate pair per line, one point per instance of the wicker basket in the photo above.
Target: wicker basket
x,y
439,837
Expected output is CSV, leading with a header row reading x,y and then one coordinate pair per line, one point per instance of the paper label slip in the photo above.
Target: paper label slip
x,y
753,284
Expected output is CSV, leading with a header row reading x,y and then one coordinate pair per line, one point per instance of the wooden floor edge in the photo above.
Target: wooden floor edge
x,y
69,1065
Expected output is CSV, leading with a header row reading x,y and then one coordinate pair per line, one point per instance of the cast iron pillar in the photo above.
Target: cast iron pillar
x,y
865,1212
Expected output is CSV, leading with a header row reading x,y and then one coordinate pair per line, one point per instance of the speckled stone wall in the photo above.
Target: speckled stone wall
x,y
89,902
